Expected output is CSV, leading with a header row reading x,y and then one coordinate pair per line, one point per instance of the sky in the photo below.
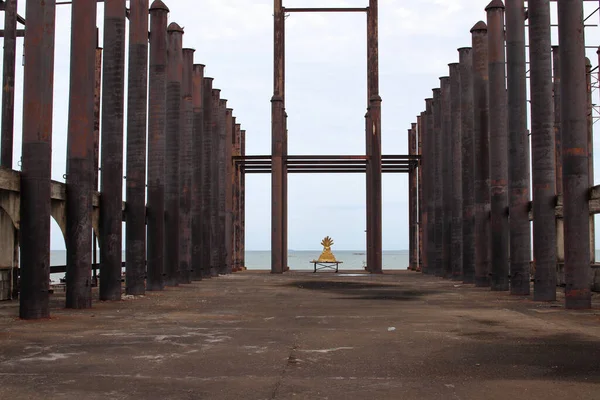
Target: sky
x,y
326,98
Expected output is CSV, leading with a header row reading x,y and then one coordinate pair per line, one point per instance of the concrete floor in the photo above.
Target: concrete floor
x,y
305,336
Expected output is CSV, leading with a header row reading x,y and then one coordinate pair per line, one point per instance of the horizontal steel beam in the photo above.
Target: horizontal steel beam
x,y
327,9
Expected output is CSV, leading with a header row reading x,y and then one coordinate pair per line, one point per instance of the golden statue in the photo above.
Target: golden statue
x,y
327,256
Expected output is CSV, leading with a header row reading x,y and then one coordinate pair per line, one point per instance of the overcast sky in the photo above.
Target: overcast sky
x,y
326,98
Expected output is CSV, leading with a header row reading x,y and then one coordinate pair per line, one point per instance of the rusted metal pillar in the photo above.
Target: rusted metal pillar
x,y
111,204
437,181
186,169
8,83
412,201
429,152
207,167
172,141
420,208
221,182
543,146
423,201
229,182
278,133
243,205
446,176
457,191
575,154
215,245
80,150
560,233
197,165
135,234
518,149
97,104
590,146
156,144
499,143
481,146
37,160
236,200
468,162
368,133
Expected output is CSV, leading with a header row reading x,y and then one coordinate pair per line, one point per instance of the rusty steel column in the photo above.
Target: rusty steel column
x,y
198,162
429,152
137,103
446,177
156,144
518,149
221,182
215,245
543,147
97,104
207,167
412,200
8,83
457,191
575,155
368,134
499,147
80,148
236,200
186,167
560,234
172,141
468,162
590,146
37,160
419,211
481,146
243,205
423,202
229,182
437,181
111,204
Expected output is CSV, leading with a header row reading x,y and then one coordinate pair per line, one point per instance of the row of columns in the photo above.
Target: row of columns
x,y
470,196
195,192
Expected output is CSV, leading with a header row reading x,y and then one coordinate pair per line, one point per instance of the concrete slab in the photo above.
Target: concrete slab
x,y
305,336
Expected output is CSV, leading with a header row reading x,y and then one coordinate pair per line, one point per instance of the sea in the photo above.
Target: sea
x,y
297,260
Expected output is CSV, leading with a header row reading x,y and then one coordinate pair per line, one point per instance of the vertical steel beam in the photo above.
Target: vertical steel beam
x,y
97,103
575,154
423,201
543,147
8,83
468,162
80,148
518,149
368,144
198,162
207,167
243,204
111,204
457,191
156,144
236,200
499,142
186,167
590,146
221,183
481,145
37,160
229,182
215,245
446,176
560,232
137,104
173,140
412,202
420,207
278,133
429,152
437,180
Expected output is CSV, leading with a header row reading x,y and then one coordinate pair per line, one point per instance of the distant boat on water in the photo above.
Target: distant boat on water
x,y
358,254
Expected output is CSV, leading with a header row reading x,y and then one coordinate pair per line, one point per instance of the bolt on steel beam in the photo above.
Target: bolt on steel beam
x,y
186,166
429,154
575,155
8,83
173,139
214,182
437,182
481,146
457,193
156,144
499,142
197,157
37,160
468,162
229,182
80,148
518,150
543,147
137,103
446,176
207,167
111,214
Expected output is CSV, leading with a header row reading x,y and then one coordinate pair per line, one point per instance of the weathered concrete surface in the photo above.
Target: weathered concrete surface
x,y
305,336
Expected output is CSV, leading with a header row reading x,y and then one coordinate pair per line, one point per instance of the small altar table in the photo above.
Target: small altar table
x,y
319,265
